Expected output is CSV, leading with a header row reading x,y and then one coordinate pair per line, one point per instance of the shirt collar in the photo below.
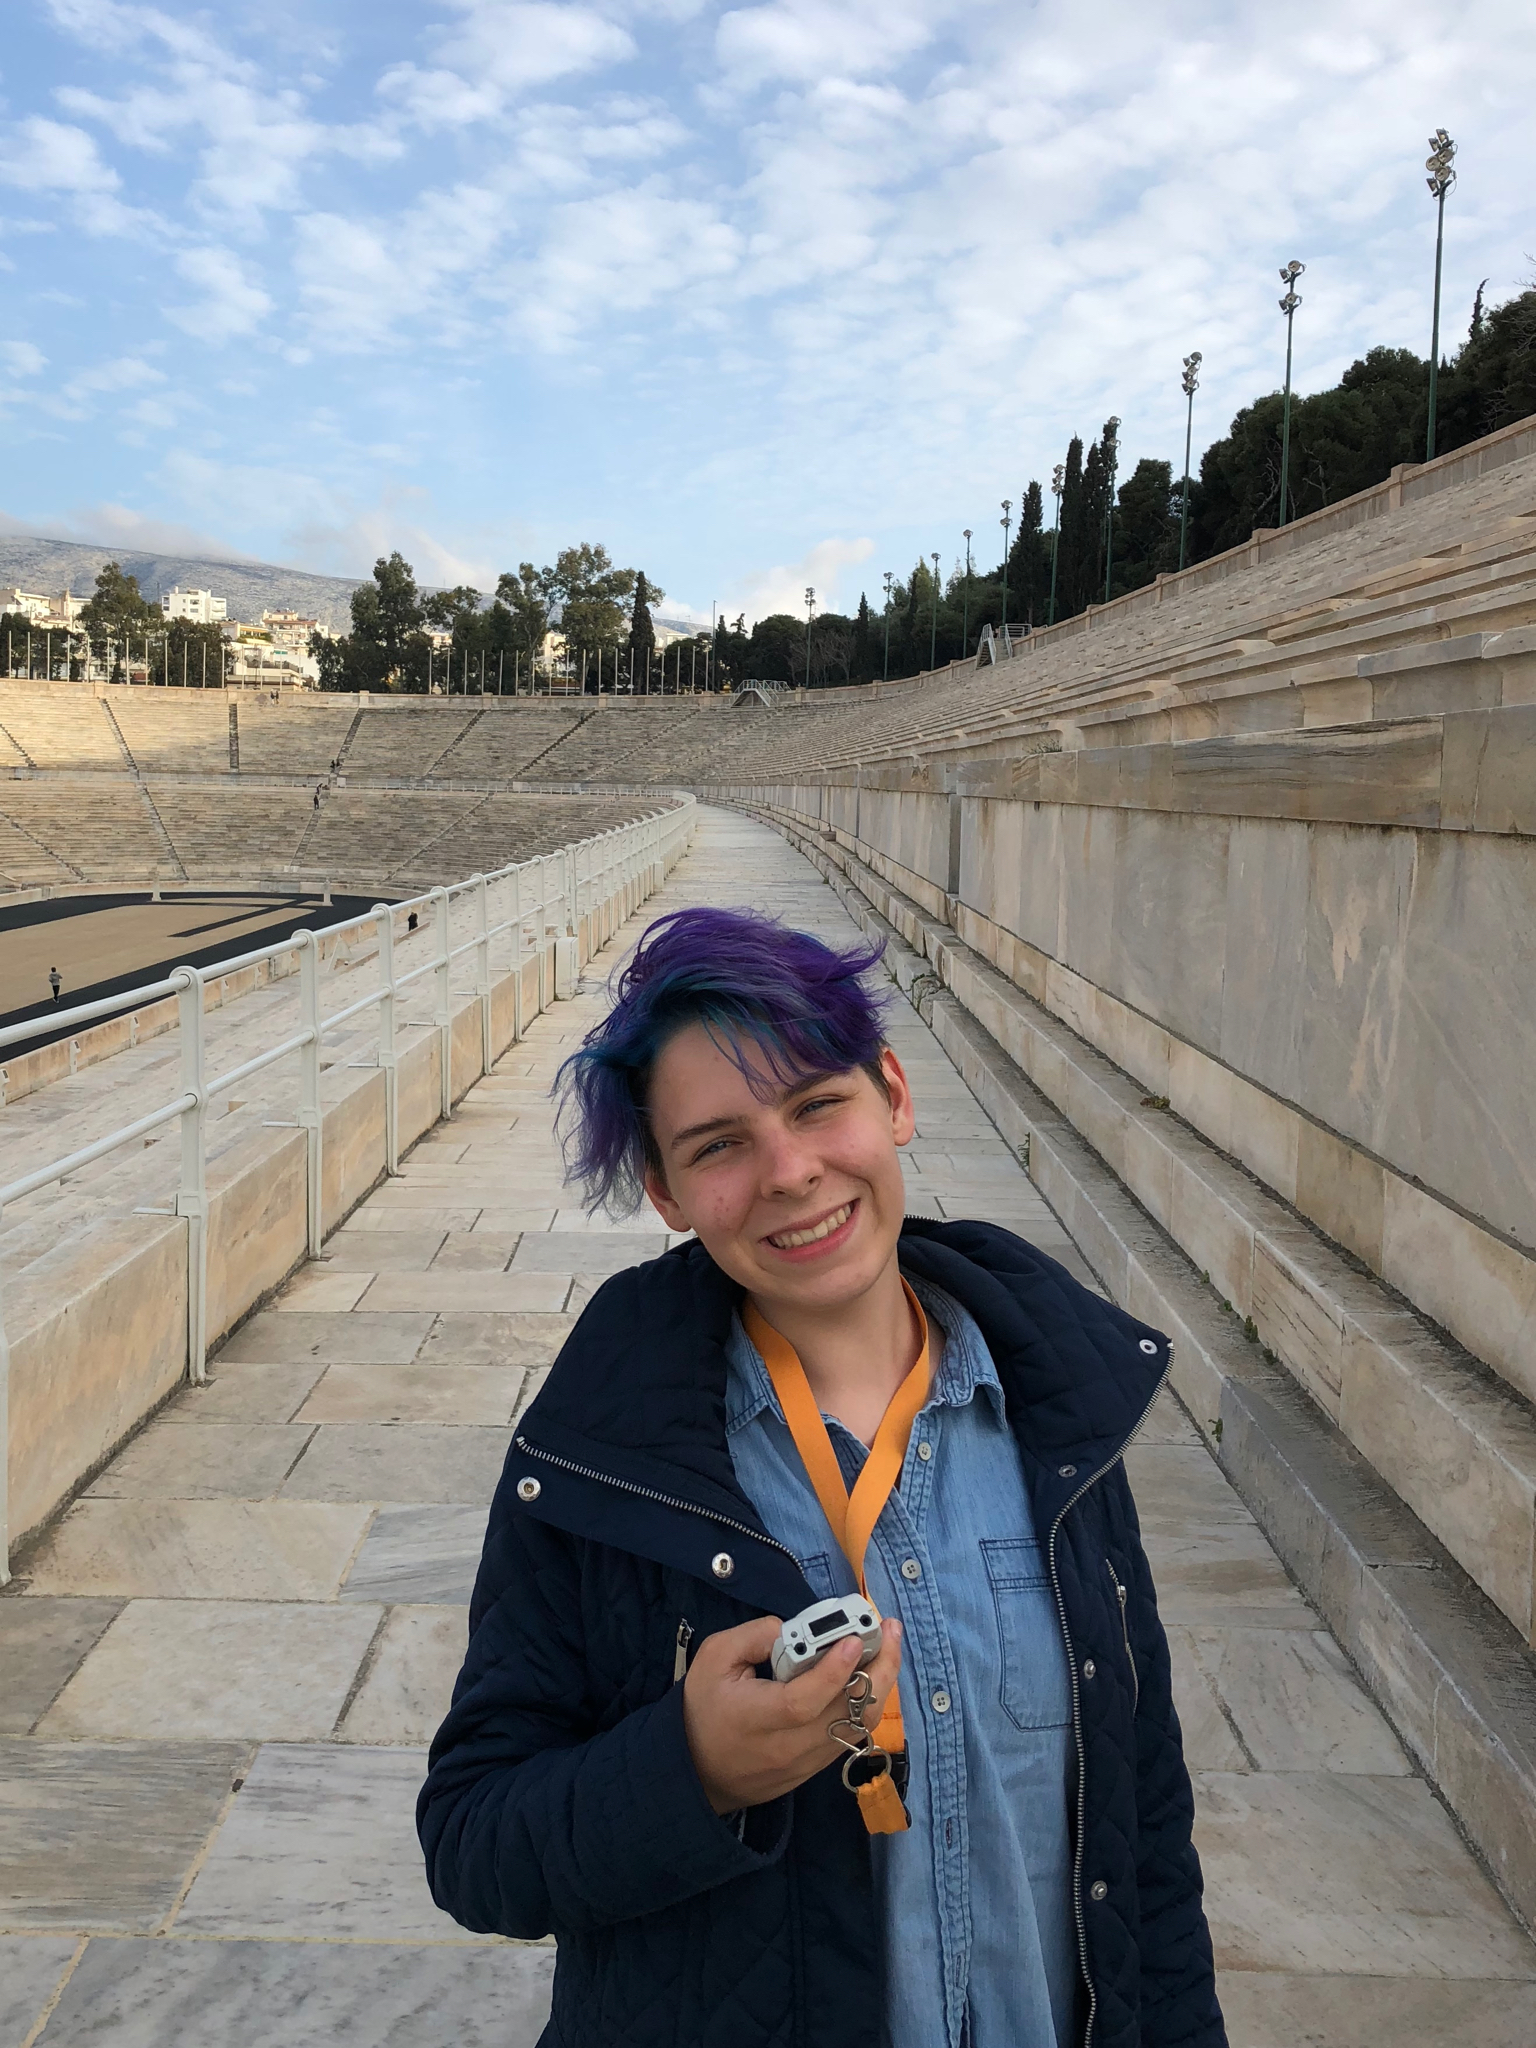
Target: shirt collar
x,y
965,1364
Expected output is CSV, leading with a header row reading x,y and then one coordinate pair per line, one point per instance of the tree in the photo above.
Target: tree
x,y
1146,525
116,614
592,595
529,600
187,652
642,633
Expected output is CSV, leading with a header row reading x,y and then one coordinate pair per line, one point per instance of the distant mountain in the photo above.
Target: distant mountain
x,y
249,588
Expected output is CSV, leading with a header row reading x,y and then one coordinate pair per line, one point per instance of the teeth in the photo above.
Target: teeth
x,y
791,1239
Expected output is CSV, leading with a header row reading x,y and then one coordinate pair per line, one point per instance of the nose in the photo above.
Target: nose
x,y
790,1166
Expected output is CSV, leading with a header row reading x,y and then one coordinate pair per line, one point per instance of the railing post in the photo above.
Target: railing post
x,y
517,954
483,959
192,1194
384,924
444,1001
541,931
309,1083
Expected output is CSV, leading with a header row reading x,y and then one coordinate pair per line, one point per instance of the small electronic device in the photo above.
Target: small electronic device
x,y
805,1640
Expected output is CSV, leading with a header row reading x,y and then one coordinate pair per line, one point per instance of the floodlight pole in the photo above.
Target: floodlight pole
x,y
1005,522
889,580
933,614
1058,485
1440,180
965,607
1288,305
810,608
1192,364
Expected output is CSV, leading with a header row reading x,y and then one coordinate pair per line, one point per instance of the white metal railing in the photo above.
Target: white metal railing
x,y
619,868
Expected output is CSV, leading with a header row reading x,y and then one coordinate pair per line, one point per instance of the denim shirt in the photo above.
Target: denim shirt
x,y
976,1899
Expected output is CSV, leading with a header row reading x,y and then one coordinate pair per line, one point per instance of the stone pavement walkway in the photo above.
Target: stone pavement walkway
x,y
219,1672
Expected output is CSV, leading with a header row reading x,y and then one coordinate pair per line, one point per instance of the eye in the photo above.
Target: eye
x,y
820,1102
714,1145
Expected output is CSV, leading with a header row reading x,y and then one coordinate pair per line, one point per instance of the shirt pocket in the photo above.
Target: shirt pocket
x,y
1035,1691
818,1575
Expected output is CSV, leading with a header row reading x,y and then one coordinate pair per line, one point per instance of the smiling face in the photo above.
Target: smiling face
x,y
796,1192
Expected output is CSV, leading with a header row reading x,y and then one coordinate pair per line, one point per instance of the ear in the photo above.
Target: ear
x,y
662,1202
899,1089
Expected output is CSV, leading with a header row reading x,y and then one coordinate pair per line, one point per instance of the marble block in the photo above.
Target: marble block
x,y
409,1682
475,1251
419,1554
1223,1574
442,1292
361,1338
219,1460
568,1251
244,1393
321,1845
98,1835
1272,2009
1167,1423
1174,1482
488,1338
30,1968
1329,1874
42,1644
318,1290
1296,1703
208,1549
1210,1741
384,1210
278,1994
472,1394
357,1250
400,1462
217,1670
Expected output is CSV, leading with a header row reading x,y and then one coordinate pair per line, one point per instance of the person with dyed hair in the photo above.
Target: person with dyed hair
x,y
967,1823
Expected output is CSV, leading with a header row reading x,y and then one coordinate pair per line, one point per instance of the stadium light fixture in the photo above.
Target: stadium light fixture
x,y
889,580
810,612
1058,485
1192,364
933,615
1005,522
965,607
1288,305
1440,180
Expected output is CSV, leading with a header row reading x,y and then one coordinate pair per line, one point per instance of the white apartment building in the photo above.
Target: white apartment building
x,y
290,630
200,606
50,613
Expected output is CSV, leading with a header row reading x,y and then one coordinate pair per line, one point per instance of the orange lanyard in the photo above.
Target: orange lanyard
x,y
852,1517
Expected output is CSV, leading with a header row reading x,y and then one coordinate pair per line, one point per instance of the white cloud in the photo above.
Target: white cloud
x,y
22,358
500,51
39,155
782,588
233,302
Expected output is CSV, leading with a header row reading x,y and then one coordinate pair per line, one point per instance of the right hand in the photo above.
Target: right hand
x,y
753,1739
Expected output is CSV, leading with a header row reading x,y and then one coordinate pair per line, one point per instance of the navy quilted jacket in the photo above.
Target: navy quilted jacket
x,y
561,1797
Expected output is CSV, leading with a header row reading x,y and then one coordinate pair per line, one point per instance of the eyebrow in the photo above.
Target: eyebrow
x,y
725,1123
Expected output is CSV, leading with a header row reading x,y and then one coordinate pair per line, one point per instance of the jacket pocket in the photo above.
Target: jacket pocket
x,y
1035,1689
818,1576
1121,1597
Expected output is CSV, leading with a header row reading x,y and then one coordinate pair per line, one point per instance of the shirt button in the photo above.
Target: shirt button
x,y
925,1451
722,1565
1099,1891
911,1569
1066,1471
1090,1669
940,1701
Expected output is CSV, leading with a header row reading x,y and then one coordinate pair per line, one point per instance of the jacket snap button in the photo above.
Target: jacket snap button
x,y
1090,1669
1066,1471
1149,1347
1099,1891
722,1565
527,1489
940,1701
911,1569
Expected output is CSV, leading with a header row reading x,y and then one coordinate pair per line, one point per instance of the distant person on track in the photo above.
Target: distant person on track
x,y
55,982
964,1825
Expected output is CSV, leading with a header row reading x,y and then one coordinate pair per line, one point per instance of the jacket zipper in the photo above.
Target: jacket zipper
x,y
1125,1637
1077,1713
680,1659
666,1500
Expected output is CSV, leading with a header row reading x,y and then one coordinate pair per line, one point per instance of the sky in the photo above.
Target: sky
x,y
758,296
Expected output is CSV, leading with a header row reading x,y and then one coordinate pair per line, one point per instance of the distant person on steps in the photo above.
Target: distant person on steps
x,y
55,982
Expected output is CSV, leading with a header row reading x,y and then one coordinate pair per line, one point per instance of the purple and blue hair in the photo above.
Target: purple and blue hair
x,y
782,1003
